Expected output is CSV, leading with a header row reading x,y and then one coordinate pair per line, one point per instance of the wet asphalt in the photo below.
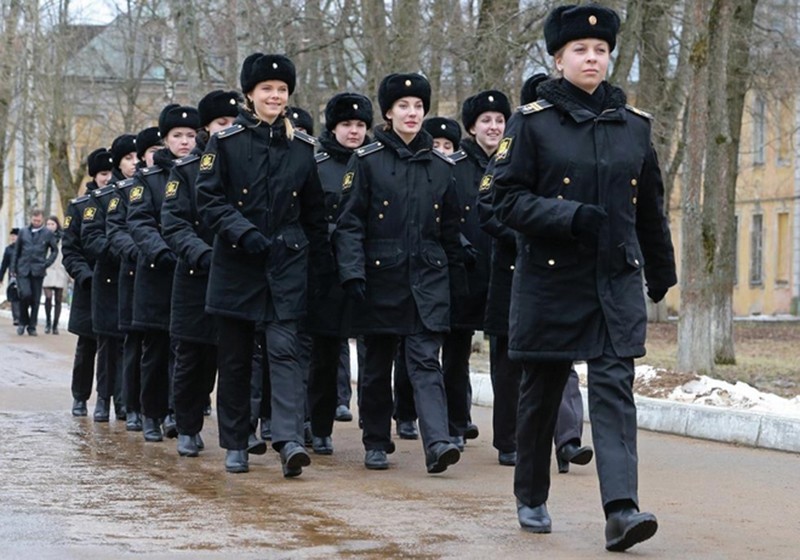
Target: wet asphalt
x,y
73,488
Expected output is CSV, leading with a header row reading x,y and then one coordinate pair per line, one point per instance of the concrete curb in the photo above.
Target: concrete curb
x,y
755,429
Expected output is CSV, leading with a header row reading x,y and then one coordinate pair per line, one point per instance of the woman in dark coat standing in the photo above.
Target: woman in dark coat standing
x,y
190,239
259,191
394,240
577,177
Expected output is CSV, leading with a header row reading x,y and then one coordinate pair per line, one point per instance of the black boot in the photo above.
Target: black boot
x,y
133,422
627,527
101,411
572,453
534,519
79,408
152,429
236,461
187,446
293,458
441,455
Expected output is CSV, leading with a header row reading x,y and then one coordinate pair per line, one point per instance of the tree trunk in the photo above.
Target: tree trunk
x,y
7,70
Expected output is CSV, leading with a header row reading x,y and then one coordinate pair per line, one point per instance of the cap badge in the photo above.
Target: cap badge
x,y
275,65
408,83
592,20
491,99
183,115
232,101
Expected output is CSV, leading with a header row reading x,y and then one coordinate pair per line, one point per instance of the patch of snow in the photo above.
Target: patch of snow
x,y
714,392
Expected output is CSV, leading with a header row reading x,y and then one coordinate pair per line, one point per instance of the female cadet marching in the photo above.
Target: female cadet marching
x,y
80,265
155,267
577,177
190,239
146,143
348,117
395,240
259,191
105,289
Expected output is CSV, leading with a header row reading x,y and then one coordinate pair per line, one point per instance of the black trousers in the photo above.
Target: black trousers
x,y
425,374
344,387
235,373
505,375
569,424
155,373
30,293
613,414
322,383
195,370
260,386
132,371
404,408
456,350
109,365
83,368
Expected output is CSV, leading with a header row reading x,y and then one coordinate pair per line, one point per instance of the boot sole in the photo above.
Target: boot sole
x,y
449,457
582,458
545,529
259,448
633,535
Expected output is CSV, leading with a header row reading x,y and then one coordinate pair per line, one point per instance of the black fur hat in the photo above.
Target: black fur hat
x,y
348,107
147,138
528,93
259,67
568,23
122,146
489,100
397,86
218,103
99,160
174,115
442,127
14,231
301,119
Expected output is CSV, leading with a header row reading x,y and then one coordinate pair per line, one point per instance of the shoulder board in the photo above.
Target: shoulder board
x,y
152,170
187,159
307,138
108,189
534,107
639,112
443,157
230,131
322,156
369,149
80,199
458,156
125,184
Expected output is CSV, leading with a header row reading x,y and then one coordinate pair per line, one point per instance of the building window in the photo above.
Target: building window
x,y
756,250
759,127
785,132
783,256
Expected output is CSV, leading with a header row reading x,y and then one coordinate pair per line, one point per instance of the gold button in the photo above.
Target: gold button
x,y
551,262
435,206
130,273
466,208
233,245
191,271
377,263
380,216
335,206
438,219
197,223
634,182
636,262
386,203
244,191
108,280
330,218
296,245
152,265
294,193
512,267
559,197
566,181
634,200
241,203
438,262
463,221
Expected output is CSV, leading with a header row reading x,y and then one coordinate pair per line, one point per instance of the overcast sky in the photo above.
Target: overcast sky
x,y
94,11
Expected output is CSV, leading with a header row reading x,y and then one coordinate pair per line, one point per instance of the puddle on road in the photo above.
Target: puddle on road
x,y
68,482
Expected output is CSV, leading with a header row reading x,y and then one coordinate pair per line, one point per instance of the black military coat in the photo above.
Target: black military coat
x,y
105,282
152,291
556,156
398,230
503,259
190,239
123,246
468,311
328,306
253,177
79,265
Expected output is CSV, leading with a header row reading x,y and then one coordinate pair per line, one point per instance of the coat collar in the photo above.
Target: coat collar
x,y
419,148
559,93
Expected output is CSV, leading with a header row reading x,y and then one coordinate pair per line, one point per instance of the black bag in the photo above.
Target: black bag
x,y
12,293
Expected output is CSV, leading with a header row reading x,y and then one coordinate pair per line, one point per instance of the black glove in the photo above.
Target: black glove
x,y
166,260
204,262
586,223
470,256
655,293
254,243
356,288
86,283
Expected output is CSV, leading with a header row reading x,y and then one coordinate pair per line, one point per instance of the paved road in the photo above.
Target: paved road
x,y
70,488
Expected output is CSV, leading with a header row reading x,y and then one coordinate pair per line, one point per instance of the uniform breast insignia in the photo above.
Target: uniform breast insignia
x,y
535,107
347,181
136,194
504,149
113,204
89,213
639,112
172,190
67,222
307,138
322,156
486,183
369,149
458,156
207,162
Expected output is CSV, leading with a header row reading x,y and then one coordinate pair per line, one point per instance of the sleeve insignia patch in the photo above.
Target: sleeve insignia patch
x,y
486,183
136,194
112,204
67,222
207,162
504,149
347,181
172,190
89,213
